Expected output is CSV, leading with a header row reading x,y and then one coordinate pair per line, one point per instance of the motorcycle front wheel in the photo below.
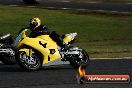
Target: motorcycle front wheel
x,y
27,63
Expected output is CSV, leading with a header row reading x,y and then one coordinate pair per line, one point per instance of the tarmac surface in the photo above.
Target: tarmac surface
x,y
62,4
64,76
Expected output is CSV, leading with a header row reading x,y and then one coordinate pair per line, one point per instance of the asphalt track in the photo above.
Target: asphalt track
x,y
126,7
63,76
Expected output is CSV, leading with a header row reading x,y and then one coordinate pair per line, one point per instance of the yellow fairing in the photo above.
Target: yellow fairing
x,y
25,50
67,39
35,44
23,33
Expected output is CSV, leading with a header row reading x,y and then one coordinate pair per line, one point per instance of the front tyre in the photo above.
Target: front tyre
x,y
27,63
81,60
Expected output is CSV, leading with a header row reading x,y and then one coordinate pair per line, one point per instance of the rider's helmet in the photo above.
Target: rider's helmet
x,y
35,22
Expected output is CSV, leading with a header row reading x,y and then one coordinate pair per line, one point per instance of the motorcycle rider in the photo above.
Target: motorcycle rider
x,y
39,29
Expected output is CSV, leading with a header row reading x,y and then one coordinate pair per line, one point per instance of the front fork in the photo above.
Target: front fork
x,y
30,59
30,53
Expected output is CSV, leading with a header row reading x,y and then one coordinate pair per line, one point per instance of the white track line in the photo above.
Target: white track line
x,y
65,8
70,8
82,9
57,62
93,2
66,1
110,58
129,3
114,11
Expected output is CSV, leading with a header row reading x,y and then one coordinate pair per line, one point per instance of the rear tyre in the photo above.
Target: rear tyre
x,y
29,63
9,58
83,62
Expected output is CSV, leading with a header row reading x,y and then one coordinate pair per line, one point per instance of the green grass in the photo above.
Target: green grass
x,y
102,35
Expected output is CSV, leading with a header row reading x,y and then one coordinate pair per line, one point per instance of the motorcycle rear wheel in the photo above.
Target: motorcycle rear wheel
x,y
83,62
29,63
8,59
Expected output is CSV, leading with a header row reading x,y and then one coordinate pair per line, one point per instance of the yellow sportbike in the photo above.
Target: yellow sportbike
x,y
35,52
